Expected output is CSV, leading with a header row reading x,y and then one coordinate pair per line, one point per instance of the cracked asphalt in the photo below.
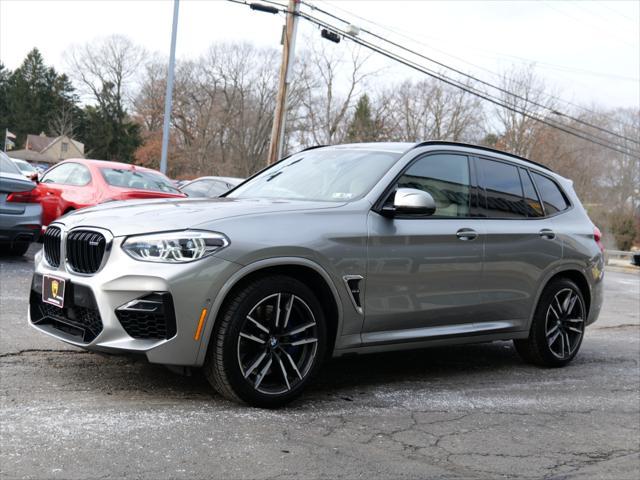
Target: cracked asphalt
x,y
457,412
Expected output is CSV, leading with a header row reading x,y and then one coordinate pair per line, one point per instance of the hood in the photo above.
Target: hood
x,y
132,217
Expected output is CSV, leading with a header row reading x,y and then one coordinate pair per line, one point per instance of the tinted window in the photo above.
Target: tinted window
x,y
553,199
137,179
503,191
68,174
199,188
446,178
531,200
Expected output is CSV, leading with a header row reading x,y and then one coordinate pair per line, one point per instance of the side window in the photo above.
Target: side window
x,y
531,200
552,197
197,189
59,174
68,174
79,176
502,188
446,178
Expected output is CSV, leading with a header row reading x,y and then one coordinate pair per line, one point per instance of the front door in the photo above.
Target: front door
x,y
423,273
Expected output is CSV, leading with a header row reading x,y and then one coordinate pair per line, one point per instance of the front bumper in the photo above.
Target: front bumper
x,y
191,288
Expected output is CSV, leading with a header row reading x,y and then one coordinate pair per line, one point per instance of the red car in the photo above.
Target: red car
x,y
80,183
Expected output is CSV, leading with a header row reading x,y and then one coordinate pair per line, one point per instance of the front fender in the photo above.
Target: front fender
x,y
254,267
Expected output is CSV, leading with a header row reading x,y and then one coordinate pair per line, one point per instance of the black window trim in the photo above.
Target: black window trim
x,y
535,189
379,204
562,192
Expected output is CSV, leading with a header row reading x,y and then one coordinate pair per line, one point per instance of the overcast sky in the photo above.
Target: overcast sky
x,y
588,50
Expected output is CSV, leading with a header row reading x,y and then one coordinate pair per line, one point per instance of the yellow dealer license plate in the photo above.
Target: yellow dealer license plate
x,y
53,290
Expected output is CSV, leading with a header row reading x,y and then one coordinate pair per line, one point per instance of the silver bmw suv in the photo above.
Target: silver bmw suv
x,y
343,249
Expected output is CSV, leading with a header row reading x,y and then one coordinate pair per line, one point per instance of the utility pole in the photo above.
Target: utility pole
x,y
168,96
288,46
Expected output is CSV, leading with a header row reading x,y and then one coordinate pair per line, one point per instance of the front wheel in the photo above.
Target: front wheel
x,y
268,343
558,326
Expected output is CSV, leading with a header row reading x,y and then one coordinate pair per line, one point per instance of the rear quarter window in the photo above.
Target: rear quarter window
x,y
553,199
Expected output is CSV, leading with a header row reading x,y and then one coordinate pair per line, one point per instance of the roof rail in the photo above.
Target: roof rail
x,y
479,147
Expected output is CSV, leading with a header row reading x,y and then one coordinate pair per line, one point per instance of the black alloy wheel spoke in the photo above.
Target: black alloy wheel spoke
x,y
564,323
277,343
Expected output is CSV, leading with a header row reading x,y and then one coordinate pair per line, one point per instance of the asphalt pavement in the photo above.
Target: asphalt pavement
x,y
457,412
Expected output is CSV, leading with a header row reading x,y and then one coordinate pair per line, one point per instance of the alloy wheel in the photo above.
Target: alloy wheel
x,y
564,324
277,343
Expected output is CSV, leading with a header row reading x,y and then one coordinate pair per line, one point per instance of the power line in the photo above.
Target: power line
x,y
488,53
476,79
400,33
567,129
454,83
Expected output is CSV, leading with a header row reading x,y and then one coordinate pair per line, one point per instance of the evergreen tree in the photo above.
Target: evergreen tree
x,y
107,130
33,96
363,127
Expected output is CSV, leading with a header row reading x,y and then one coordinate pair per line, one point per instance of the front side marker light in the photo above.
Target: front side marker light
x,y
203,317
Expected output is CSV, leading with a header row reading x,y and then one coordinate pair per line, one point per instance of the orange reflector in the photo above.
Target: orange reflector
x,y
203,316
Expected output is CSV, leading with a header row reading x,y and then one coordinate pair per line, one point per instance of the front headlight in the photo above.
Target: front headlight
x,y
174,247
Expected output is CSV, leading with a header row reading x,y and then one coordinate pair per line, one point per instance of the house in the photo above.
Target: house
x,y
50,150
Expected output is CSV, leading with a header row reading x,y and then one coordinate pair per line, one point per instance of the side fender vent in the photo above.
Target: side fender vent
x,y
353,283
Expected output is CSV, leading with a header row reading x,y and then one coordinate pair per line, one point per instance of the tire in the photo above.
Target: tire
x,y
254,361
558,326
17,249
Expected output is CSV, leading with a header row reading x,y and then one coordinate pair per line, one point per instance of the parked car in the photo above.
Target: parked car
x,y
335,250
19,222
80,183
26,168
209,186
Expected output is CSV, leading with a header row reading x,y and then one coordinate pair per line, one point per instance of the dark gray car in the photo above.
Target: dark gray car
x,y
20,221
334,250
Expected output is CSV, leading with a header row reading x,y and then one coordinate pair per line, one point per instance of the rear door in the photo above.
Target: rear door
x,y
520,243
423,274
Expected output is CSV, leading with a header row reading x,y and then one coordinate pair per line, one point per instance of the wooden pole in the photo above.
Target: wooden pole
x,y
288,46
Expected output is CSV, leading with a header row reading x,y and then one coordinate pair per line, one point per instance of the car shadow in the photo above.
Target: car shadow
x,y
340,378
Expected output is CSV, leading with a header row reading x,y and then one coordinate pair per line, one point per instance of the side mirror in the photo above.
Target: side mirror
x,y
411,201
34,177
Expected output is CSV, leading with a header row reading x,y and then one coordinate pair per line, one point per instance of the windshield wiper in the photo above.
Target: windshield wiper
x,y
273,175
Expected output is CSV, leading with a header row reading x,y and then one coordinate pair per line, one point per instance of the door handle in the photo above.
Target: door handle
x,y
547,233
466,234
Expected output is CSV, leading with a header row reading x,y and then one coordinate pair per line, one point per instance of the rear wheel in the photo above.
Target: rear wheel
x,y
558,326
269,342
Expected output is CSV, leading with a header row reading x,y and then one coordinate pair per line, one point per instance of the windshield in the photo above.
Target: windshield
x,y
333,175
138,179
25,167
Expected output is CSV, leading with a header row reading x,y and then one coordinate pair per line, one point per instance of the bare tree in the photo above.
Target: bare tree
x,y
518,133
110,64
430,110
331,82
222,109
63,122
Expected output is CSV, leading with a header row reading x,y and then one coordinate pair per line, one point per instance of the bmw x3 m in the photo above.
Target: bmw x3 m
x,y
333,250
